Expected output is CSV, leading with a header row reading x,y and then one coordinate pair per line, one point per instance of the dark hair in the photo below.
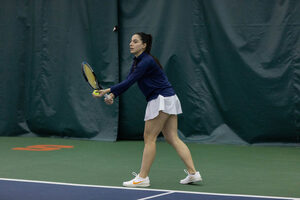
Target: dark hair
x,y
147,38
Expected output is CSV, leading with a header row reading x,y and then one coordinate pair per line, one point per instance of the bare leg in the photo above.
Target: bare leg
x,y
171,136
152,129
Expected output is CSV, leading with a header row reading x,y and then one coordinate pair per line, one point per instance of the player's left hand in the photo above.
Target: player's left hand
x,y
99,93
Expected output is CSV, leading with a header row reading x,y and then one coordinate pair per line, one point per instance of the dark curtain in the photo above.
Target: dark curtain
x,y
235,66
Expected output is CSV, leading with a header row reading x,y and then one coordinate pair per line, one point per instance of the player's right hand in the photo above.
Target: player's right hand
x,y
110,99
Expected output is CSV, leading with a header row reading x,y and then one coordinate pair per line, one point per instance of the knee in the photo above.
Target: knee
x,y
149,138
172,140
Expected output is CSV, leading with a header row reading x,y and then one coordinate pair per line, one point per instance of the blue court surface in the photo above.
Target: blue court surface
x,y
15,189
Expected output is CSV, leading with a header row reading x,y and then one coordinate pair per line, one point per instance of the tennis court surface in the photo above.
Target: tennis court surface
x,y
34,168
11,189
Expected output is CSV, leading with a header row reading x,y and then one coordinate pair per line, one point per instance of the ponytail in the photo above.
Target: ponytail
x,y
147,38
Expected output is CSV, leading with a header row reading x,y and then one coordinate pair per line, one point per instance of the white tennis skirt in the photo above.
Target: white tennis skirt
x,y
170,105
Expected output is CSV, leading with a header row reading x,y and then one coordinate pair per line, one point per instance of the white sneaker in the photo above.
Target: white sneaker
x,y
137,181
191,178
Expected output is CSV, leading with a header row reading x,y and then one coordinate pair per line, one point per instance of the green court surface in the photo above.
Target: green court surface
x,y
253,170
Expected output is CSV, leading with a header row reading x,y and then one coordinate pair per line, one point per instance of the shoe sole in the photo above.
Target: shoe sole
x,y
135,186
200,180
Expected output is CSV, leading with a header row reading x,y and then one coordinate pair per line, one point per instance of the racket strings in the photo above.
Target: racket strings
x,y
90,77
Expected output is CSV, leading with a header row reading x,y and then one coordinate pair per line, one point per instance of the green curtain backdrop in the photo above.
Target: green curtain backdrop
x,y
235,65
42,46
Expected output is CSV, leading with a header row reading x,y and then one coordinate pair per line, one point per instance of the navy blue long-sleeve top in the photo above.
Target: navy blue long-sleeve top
x,y
151,79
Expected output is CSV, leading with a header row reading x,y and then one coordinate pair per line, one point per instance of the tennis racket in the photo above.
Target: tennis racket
x,y
91,78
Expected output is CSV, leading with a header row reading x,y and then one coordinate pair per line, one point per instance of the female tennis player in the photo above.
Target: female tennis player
x,y
161,112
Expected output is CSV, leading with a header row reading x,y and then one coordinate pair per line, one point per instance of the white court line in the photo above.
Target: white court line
x,y
159,190
154,196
